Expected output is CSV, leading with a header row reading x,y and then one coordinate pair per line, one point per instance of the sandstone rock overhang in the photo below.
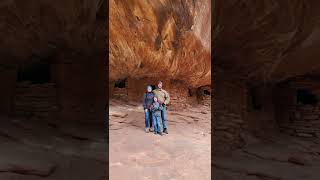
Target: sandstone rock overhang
x,y
267,41
44,28
166,39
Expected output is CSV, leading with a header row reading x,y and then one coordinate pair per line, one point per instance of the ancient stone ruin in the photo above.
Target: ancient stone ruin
x,y
266,89
53,56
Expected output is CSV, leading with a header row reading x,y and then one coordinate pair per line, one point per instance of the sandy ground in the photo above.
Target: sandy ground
x,y
183,154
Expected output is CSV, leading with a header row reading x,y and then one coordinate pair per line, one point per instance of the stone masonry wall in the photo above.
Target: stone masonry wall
x,y
235,122
36,101
229,104
135,88
295,118
120,93
259,117
80,88
203,98
304,121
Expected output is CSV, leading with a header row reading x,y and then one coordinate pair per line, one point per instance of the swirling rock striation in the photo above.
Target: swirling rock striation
x,y
163,38
267,40
46,27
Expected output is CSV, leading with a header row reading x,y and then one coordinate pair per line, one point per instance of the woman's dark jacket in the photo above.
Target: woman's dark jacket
x,y
147,100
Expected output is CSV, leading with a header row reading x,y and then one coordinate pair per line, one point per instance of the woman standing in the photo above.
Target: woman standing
x,y
147,102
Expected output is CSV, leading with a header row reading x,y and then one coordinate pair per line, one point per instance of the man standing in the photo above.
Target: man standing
x,y
164,99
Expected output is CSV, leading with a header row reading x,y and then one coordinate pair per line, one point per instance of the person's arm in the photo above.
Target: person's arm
x,y
144,101
167,98
155,106
152,108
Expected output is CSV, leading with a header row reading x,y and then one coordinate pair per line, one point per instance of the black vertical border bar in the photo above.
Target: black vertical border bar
x,y
213,26
106,81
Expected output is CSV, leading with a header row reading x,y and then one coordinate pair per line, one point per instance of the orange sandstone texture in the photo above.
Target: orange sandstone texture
x,y
166,39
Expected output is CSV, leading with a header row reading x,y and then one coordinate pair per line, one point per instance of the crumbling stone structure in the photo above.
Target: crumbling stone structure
x,y
53,63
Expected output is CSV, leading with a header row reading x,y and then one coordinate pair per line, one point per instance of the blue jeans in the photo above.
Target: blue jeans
x,y
156,123
164,117
148,118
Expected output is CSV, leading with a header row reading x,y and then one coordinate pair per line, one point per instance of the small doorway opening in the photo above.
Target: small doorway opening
x,y
36,71
120,83
206,92
190,92
255,103
305,97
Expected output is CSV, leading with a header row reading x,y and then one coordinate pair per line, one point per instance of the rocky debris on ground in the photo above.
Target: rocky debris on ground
x,y
287,158
118,114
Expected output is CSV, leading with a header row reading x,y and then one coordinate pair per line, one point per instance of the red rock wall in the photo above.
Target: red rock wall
x,y
203,98
80,88
235,121
261,122
120,93
178,90
229,105
168,38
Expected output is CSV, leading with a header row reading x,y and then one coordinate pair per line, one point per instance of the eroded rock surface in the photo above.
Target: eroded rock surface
x,y
164,39
41,27
267,40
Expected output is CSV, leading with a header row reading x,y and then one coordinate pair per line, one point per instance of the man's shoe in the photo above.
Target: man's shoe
x,y
151,129
160,133
165,131
147,130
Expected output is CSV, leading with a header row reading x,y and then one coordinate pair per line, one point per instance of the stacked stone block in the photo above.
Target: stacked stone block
x,y
35,100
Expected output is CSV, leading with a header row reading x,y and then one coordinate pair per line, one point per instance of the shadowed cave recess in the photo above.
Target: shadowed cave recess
x,y
52,97
266,89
